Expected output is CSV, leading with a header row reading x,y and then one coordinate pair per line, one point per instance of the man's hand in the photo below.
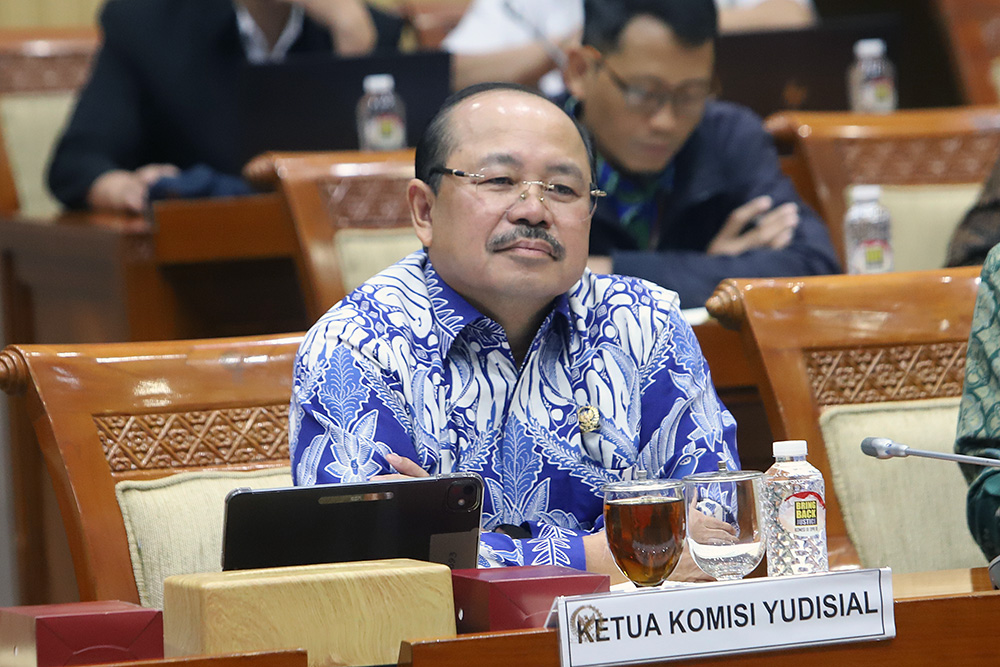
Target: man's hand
x,y
599,558
405,468
127,191
687,570
772,228
349,21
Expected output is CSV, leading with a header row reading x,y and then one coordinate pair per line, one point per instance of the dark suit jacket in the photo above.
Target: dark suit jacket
x,y
164,89
728,160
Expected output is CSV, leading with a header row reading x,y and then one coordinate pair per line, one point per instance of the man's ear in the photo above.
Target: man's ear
x,y
420,198
579,62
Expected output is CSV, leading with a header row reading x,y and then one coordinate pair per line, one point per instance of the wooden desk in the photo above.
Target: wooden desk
x,y
953,626
208,268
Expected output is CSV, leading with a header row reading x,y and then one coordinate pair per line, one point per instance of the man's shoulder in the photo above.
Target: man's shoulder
x,y
159,19
723,119
606,296
395,302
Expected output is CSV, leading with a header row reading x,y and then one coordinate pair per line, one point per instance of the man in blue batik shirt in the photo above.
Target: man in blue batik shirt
x,y
495,351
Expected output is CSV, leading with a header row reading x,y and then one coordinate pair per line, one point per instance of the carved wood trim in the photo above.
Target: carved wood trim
x,y
366,202
906,161
886,373
197,439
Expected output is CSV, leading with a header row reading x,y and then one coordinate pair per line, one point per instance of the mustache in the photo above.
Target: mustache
x,y
501,241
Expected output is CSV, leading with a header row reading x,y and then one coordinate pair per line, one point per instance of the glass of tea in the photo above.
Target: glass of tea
x,y
644,522
725,521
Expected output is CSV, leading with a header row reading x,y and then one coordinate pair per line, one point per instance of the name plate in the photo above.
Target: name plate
x,y
725,617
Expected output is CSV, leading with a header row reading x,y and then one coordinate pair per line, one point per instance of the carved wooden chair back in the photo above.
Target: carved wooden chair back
x,y
350,215
41,69
973,31
930,163
860,350
110,413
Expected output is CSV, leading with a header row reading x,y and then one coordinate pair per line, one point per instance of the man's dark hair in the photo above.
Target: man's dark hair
x,y
438,141
694,22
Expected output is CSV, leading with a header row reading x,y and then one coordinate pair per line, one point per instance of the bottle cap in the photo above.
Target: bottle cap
x,y
378,83
869,48
786,448
865,193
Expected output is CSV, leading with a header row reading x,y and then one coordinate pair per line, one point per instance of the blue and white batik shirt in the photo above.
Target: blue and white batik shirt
x,y
404,364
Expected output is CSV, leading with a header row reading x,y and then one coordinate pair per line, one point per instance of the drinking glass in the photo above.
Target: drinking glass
x,y
725,521
644,522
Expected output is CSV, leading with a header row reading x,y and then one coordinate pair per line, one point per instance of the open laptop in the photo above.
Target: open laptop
x,y
806,69
433,519
309,102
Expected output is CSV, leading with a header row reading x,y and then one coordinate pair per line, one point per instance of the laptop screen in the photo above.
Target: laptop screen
x,y
308,103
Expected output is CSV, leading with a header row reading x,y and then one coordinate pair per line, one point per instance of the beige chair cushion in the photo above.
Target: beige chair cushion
x,y
905,513
31,126
362,253
174,524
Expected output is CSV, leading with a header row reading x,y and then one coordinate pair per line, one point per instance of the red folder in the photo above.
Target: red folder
x,y
508,598
79,633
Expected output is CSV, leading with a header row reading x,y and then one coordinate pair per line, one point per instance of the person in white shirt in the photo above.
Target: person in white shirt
x,y
524,41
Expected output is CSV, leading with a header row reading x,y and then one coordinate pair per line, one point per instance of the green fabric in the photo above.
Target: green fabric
x,y
979,414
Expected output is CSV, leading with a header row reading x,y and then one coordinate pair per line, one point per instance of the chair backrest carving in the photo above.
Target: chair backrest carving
x,y
107,413
930,163
825,343
350,214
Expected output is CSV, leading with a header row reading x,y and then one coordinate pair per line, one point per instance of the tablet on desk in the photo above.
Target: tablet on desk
x,y
429,518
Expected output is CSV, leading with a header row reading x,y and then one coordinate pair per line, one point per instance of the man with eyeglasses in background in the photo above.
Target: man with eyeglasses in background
x,y
493,350
695,193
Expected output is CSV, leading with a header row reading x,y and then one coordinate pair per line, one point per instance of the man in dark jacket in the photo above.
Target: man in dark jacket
x,y
163,94
695,191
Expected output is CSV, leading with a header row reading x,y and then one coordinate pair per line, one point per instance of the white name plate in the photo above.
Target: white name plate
x,y
725,617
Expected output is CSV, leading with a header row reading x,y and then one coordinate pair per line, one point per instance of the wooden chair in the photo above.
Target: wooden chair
x,y
41,70
839,358
930,163
115,421
972,28
350,215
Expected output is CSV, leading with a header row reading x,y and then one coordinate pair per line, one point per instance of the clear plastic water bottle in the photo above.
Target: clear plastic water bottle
x,y
871,79
795,502
867,232
381,115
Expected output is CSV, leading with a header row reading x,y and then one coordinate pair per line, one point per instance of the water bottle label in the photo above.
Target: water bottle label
x,y
871,256
385,132
803,514
878,95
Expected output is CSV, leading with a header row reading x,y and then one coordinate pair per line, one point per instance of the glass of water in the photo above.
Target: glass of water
x,y
725,526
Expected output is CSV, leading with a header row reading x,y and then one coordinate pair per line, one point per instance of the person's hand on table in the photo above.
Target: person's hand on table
x,y
127,191
405,468
771,227
352,26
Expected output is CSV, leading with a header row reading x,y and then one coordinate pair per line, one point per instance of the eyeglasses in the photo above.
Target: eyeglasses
x,y
687,100
567,197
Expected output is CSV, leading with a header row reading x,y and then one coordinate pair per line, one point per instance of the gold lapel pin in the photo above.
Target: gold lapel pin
x,y
589,418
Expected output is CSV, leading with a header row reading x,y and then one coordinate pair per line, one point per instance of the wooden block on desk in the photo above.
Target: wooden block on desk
x,y
341,613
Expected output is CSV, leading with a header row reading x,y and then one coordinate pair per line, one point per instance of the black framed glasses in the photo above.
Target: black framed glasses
x,y
501,187
687,99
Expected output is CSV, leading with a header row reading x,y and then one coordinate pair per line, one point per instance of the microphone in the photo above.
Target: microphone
x,y
884,448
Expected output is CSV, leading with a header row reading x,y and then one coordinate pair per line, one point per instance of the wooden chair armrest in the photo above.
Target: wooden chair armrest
x,y
13,371
726,306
